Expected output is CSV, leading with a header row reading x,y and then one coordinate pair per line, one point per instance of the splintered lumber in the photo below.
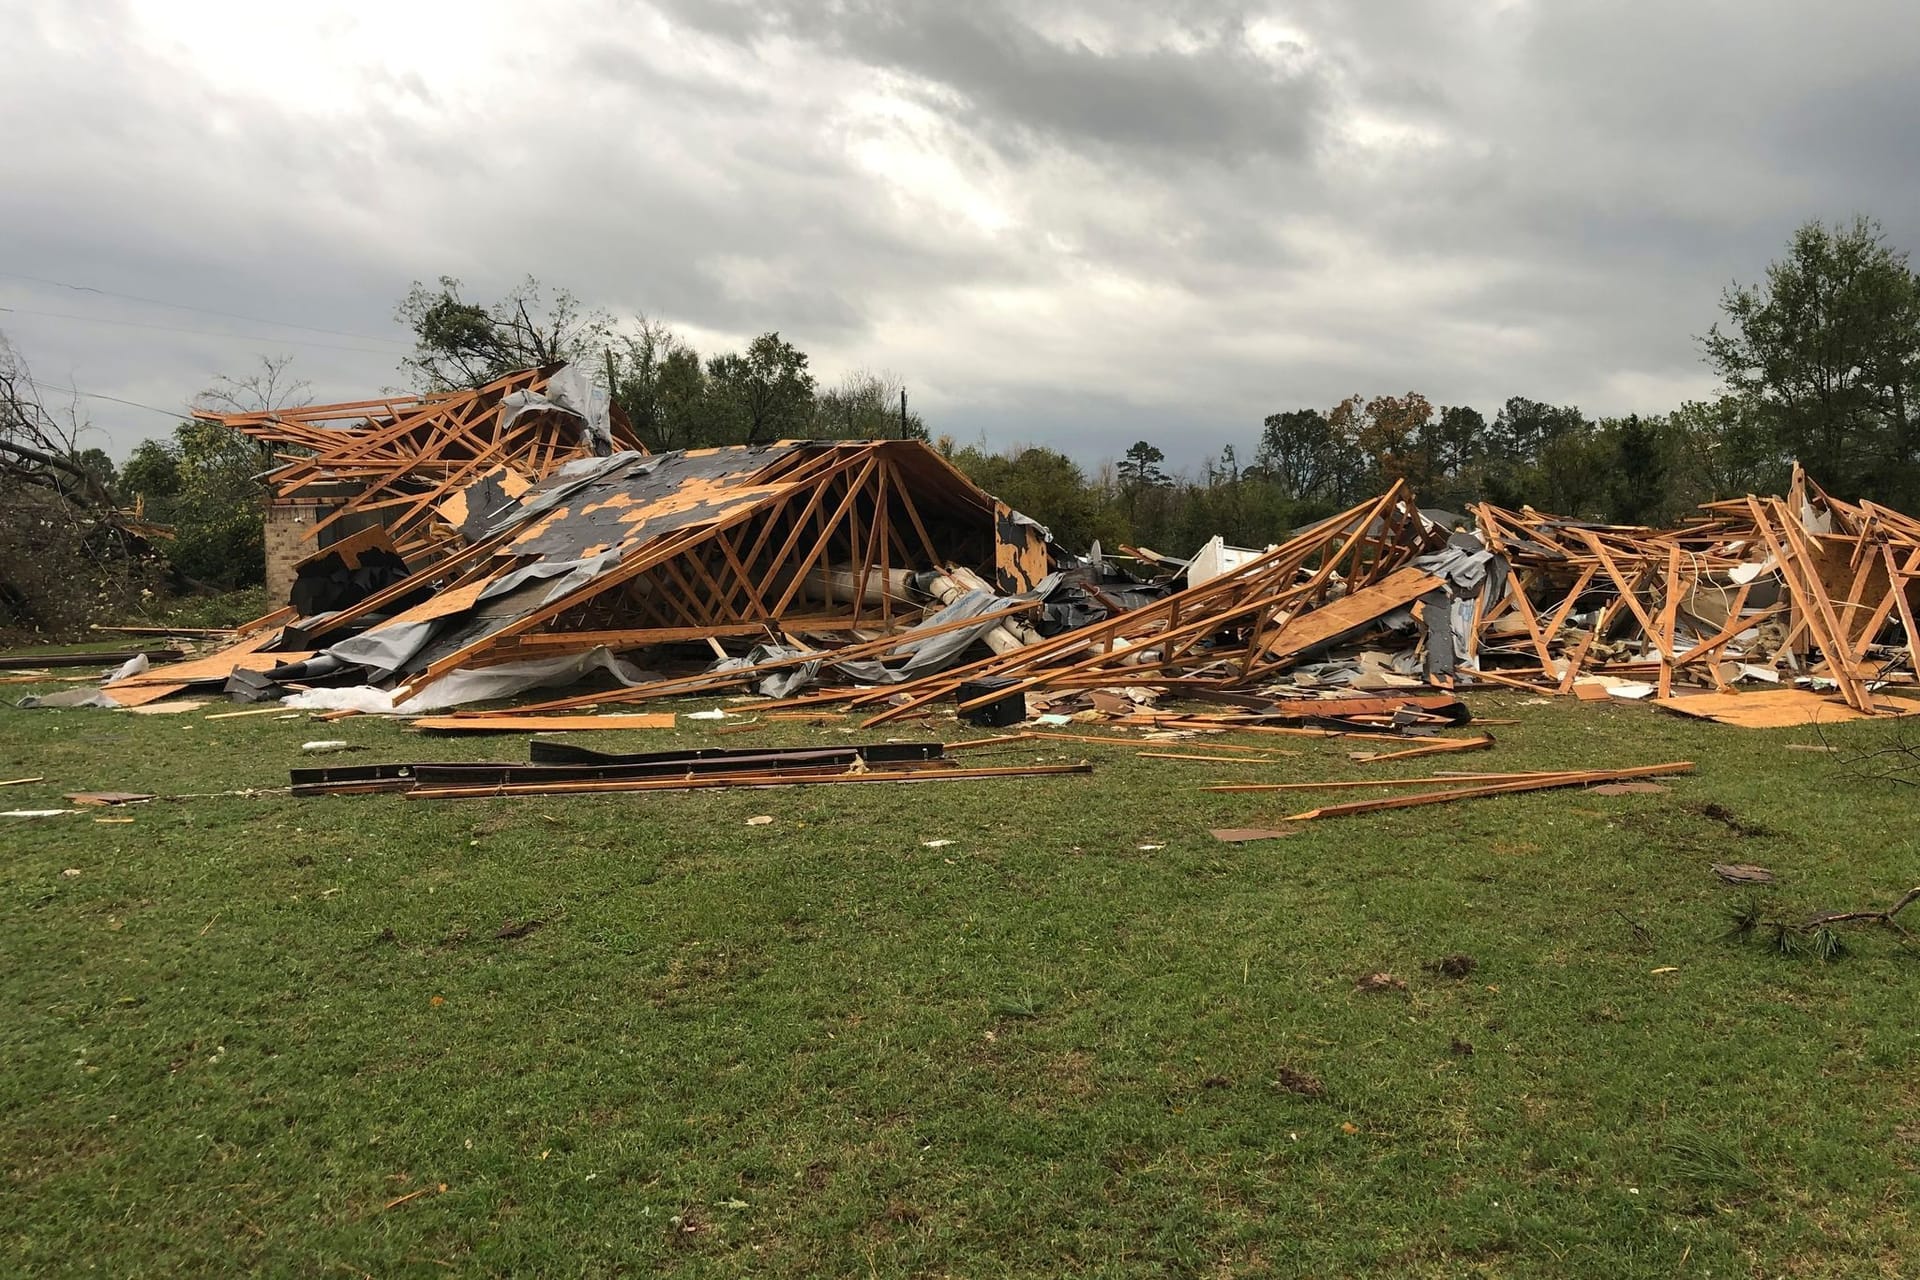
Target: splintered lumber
x,y
492,723
1542,782
1206,723
746,780
185,633
1004,740
1264,759
1346,784
1440,747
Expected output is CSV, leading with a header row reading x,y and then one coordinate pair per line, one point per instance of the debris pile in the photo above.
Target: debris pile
x,y
488,543
1803,590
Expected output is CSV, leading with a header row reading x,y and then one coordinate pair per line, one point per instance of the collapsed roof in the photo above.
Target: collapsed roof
x,y
397,458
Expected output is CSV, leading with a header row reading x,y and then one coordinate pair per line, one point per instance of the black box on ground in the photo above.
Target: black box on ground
x,y
998,714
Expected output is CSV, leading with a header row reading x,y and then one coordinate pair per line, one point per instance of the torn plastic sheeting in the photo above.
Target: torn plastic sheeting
x,y
924,656
384,650
481,684
572,392
69,698
131,667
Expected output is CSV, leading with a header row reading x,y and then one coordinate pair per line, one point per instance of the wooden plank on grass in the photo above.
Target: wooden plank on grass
x,y
542,724
1545,783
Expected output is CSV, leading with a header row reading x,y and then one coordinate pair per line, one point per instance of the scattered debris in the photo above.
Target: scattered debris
x,y
1300,1082
1457,965
761,820
1742,873
1728,819
1371,982
108,797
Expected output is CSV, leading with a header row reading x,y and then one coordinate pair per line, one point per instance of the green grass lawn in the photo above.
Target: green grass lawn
x,y
250,1027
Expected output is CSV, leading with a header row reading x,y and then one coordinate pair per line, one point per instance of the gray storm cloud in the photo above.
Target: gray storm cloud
x,y
1073,225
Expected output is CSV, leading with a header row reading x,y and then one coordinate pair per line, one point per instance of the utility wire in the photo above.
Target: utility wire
x,y
176,414
182,306
205,333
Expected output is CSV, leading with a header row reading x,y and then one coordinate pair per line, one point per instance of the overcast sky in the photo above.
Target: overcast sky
x,y
1076,225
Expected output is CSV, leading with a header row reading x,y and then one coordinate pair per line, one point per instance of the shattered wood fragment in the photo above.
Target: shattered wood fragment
x,y
1542,783
1441,747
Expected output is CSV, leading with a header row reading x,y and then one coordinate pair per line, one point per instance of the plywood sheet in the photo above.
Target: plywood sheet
x,y
1019,551
1774,708
1349,612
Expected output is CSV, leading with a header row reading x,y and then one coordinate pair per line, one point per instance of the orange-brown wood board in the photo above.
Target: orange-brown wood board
x,y
1775,708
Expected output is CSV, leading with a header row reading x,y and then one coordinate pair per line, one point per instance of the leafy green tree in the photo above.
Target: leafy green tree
x,y
1387,430
1453,449
1310,462
152,472
659,383
1140,467
458,343
1637,480
96,463
865,406
1721,449
1048,486
1828,350
1524,446
761,395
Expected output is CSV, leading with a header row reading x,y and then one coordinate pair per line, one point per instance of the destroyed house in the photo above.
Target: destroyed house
x,y
843,541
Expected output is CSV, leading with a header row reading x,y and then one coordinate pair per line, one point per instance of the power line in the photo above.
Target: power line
x,y
175,414
182,306
205,333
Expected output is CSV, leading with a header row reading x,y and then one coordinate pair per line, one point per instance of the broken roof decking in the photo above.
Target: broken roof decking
x,y
628,551
398,458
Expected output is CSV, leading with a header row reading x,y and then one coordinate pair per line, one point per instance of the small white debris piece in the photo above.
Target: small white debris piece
x,y
760,820
71,872
715,714
325,745
36,813
935,844
1149,848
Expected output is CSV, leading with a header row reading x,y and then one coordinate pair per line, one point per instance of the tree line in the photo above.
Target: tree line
x,y
1819,362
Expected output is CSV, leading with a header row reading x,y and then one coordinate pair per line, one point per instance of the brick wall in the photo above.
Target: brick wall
x,y
287,523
